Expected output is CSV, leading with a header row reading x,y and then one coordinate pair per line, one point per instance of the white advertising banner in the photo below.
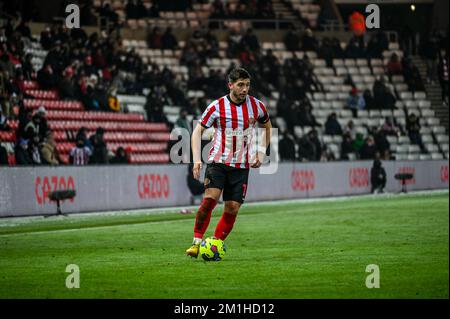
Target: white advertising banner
x,y
24,190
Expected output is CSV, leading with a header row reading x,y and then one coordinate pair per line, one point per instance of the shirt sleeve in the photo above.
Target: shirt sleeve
x,y
263,115
209,115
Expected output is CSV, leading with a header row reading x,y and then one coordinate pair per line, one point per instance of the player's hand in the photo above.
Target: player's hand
x,y
196,170
258,160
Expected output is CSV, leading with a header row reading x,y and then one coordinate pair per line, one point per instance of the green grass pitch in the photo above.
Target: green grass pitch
x,y
296,249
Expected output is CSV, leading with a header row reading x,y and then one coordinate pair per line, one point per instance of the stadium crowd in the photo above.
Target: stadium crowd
x,y
95,68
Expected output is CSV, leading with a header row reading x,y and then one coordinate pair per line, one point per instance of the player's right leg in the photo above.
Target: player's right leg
x,y
214,183
202,219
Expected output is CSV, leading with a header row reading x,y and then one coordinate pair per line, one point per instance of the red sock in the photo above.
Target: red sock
x,y
225,225
203,216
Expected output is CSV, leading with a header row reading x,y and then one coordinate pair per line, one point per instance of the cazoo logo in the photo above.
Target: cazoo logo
x,y
44,185
358,177
303,180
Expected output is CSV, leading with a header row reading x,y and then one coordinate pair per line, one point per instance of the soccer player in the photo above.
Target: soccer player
x,y
232,153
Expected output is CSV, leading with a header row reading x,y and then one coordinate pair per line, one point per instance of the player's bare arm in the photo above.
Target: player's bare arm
x,y
267,133
196,150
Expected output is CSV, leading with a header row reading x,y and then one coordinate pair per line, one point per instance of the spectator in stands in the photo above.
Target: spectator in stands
x,y
413,127
21,153
53,65
286,148
46,78
5,63
412,76
305,116
308,77
131,10
338,52
332,126
218,12
350,129
197,78
368,149
250,40
233,44
270,69
46,39
376,45
290,111
43,124
443,75
346,146
100,151
327,156
383,97
32,129
50,155
28,68
306,149
377,177
355,102
24,29
309,42
34,149
81,134
154,39
354,50
382,144
358,142
25,115
89,68
318,146
121,157
3,121
292,39
429,52
168,40
79,155
394,66
189,56
153,10
107,12
389,99
211,45
183,121
326,52
368,98
390,127
3,156
67,87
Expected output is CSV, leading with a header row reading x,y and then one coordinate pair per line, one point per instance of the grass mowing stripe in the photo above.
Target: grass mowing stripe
x,y
79,221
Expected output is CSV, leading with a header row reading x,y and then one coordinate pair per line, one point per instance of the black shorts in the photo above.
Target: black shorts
x,y
233,181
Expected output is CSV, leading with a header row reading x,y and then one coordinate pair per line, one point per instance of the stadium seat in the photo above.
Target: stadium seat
x,y
437,156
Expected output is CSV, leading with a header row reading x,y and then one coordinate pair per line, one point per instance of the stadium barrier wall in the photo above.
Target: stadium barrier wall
x,y
24,190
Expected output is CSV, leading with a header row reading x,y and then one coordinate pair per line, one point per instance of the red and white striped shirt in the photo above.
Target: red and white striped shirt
x,y
234,129
80,155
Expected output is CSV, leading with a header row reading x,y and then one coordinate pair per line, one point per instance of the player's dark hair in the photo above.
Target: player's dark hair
x,y
238,73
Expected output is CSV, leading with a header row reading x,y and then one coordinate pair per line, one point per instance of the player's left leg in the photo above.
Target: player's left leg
x,y
234,193
227,220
